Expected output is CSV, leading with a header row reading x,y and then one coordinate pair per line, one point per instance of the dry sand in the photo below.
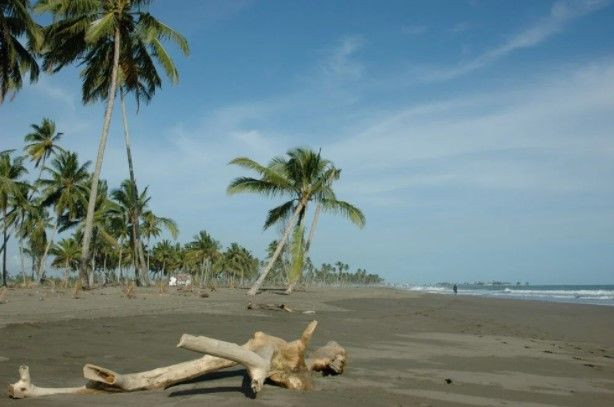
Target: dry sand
x,y
402,346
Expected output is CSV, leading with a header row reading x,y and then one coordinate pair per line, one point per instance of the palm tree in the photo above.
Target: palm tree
x,y
65,189
24,205
17,60
239,262
42,143
11,171
304,176
130,204
91,31
138,75
67,254
152,225
204,250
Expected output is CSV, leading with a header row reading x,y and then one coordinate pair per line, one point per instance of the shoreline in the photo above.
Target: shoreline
x,y
402,346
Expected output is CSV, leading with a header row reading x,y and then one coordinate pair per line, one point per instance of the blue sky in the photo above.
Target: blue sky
x,y
477,136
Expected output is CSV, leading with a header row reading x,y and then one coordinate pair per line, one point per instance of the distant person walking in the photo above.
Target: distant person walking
x,y
455,289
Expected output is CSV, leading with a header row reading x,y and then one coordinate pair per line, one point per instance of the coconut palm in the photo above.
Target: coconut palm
x,y
239,262
67,253
24,205
138,75
87,30
203,250
152,225
17,59
42,143
65,190
304,177
130,205
11,184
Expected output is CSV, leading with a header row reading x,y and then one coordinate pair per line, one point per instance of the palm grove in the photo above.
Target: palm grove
x,y
64,212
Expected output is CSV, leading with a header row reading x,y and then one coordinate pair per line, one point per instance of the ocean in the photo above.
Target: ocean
x,y
580,294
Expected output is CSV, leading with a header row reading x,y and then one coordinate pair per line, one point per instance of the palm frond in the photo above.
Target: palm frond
x,y
279,213
346,209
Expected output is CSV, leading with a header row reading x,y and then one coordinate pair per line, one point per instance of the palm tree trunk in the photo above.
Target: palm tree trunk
x,y
5,239
143,269
23,266
280,245
121,248
66,274
41,269
89,219
312,228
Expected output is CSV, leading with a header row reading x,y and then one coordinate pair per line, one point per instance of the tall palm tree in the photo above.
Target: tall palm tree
x,y
87,30
138,75
11,184
17,59
24,205
304,176
65,189
204,250
42,143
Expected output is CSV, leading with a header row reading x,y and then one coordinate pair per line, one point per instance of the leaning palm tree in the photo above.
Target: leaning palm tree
x,y
11,184
17,59
42,143
65,190
87,30
304,177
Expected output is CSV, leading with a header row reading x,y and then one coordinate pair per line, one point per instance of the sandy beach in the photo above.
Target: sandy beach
x,y
403,348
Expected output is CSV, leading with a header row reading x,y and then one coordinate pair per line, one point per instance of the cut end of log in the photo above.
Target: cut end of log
x,y
99,374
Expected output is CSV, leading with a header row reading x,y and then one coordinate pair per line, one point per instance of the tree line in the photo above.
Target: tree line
x,y
120,48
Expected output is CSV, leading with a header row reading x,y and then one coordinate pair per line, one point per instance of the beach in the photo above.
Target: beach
x,y
404,348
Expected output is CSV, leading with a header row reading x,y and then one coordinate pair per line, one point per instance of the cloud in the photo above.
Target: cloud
x,y
340,64
537,138
562,13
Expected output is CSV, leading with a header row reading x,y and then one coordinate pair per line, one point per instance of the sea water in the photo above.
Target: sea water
x,y
581,294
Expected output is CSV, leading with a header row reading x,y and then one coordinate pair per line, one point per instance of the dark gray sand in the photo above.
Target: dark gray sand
x,y
404,349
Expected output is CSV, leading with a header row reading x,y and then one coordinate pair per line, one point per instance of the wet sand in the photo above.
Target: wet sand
x,y
401,346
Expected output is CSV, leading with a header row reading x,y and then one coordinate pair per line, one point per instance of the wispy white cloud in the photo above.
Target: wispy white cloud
x,y
561,13
535,138
340,63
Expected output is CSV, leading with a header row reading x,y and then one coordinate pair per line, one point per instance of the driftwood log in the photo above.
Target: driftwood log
x,y
264,356
269,307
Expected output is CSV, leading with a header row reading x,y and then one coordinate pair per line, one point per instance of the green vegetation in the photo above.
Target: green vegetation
x,y
304,177
67,212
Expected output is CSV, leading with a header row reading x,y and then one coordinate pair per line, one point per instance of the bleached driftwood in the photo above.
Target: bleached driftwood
x,y
330,359
24,387
264,356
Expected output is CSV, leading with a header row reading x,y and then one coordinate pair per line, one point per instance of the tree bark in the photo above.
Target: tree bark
x,y
5,240
280,245
143,270
89,219
41,269
23,266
